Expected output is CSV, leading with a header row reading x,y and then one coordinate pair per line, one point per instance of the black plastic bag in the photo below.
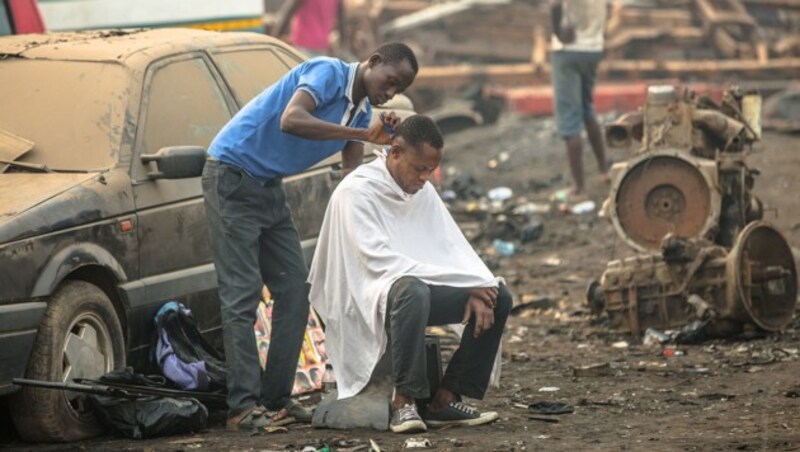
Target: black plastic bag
x,y
148,417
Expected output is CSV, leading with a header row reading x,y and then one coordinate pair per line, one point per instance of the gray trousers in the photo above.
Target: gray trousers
x,y
413,305
254,240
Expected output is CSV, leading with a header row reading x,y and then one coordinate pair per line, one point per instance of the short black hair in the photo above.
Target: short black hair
x,y
417,130
396,52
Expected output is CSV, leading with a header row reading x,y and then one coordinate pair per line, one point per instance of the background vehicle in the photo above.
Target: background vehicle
x,y
101,210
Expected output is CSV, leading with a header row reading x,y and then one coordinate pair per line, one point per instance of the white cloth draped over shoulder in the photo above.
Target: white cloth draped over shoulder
x,y
374,233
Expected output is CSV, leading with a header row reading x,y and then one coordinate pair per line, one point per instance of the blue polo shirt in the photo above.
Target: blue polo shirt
x,y
253,140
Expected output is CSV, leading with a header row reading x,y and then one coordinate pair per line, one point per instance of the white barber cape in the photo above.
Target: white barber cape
x,y
373,234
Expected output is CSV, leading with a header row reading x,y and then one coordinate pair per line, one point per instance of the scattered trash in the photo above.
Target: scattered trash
x,y
672,351
189,441
149,417
620,344
693,333
549,389
552,261
417,443
466,187
654,337
594,370
532,231
520,357
552,408
449,195
717,396
500,194
538,303
503,248
583,208
456,442
373,446
549,420
530,208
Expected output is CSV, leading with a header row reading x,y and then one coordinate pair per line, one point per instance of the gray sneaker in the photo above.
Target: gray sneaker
x,y
406,420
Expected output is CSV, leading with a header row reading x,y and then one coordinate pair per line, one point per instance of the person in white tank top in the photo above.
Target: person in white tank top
x,y
577,48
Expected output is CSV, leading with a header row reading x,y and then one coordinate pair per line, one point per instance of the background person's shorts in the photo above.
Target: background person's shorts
x,y
573,84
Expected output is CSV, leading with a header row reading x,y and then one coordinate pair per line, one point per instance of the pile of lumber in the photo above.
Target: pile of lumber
x,y
508,40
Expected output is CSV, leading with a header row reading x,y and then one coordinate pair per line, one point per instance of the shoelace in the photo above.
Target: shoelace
x,y
469,411
407,412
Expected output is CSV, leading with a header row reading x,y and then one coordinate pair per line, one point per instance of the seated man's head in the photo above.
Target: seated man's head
x,y
389,71
415,153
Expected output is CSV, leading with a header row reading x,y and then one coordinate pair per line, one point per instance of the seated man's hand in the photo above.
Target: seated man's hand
x,y
484,315
486,294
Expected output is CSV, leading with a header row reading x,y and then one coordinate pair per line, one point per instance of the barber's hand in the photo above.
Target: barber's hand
x,y
484,315
381,131
486,294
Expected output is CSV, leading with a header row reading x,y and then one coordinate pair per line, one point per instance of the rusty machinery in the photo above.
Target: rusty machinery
x,y
686,193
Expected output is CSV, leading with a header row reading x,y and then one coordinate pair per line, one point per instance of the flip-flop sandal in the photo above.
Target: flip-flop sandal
x,y
253,418
550,408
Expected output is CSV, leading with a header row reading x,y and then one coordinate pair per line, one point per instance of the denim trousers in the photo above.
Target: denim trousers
x,y
254,241
574,75
412,305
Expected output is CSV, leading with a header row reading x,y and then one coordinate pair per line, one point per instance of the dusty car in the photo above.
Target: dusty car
x,y
102,140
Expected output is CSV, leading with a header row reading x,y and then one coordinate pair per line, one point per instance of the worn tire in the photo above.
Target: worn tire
x,y
77,312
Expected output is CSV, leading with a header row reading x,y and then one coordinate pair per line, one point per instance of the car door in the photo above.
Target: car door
x,y
248,70
182,104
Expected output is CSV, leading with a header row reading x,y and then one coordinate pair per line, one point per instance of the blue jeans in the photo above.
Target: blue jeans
x,y
254,241
573,76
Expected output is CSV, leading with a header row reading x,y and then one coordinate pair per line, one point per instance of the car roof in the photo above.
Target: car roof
x,y
122,45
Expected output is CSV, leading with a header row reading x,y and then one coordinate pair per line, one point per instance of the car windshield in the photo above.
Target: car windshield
x,y
73,111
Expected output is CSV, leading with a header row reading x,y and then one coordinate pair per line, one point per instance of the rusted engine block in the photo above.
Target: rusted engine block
x,y
688,176
686,192
752,284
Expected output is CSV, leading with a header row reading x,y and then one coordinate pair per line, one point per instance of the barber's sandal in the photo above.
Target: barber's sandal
x,y
406,420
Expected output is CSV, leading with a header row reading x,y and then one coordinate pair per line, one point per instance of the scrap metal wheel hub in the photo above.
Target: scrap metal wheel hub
x,y
667,192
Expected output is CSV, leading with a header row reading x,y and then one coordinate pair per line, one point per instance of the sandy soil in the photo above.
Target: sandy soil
x,y
733,394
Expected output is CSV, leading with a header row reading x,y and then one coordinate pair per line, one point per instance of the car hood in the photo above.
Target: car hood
x,y
22,191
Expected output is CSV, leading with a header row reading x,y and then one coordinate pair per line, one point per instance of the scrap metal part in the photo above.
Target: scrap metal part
x,y
753,284
689,174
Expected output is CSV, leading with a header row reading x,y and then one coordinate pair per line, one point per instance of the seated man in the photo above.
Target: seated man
x,y
389,261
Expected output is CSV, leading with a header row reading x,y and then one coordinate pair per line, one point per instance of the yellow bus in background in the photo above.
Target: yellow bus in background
x,y
222,15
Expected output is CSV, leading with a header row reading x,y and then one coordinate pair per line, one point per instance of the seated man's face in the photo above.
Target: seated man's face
x,y
411,167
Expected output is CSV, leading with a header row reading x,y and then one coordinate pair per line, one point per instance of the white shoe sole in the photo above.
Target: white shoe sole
x,y
485,418
409,427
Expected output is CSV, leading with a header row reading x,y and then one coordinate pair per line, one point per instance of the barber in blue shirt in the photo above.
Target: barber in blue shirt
x,y
320,107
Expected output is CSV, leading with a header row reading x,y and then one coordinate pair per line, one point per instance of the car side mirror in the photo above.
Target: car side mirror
x,y
176,162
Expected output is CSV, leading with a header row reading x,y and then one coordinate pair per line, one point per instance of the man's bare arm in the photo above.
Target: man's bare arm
x,y
298,119
285,15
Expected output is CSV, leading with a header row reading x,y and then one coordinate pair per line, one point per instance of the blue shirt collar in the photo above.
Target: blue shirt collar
x,y
351,78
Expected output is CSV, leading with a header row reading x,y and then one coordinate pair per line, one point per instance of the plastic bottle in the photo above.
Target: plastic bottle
x,y
328,379
503,248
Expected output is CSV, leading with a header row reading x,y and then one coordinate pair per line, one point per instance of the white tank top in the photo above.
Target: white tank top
x,y
588,19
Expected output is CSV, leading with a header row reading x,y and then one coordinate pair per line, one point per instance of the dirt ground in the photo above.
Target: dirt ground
x,y
735,394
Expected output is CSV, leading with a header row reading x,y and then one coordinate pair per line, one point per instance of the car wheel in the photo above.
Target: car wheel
x,y
79,337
